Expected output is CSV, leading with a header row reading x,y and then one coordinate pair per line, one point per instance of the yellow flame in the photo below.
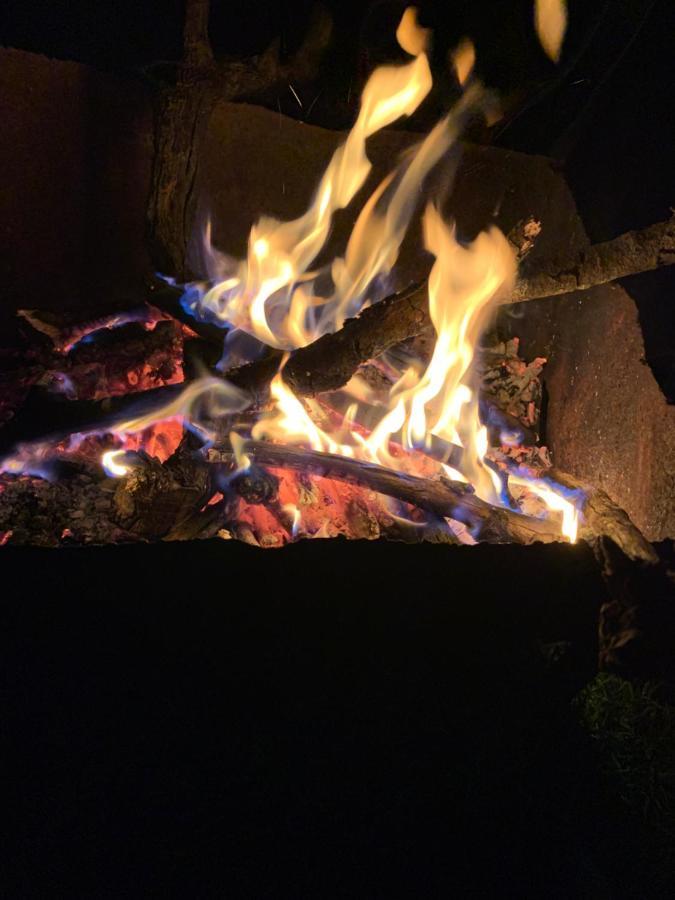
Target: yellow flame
x,y
550,22
464,59
376,238
554,502
238,443
463,285
411,36
261,295
111,466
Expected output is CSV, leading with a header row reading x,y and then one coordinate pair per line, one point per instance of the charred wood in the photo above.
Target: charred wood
x,y
604,519
443,498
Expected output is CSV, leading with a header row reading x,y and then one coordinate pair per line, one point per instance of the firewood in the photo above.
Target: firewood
x,y
442,498
406,314
603,518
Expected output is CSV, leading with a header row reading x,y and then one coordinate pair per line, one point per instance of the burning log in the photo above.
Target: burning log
x,y
128,360
603,518
405,315
446,499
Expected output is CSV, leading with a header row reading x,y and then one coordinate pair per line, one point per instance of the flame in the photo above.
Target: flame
x,y
260,294
411,36
463,60
463,284
272,296
109,461
550,22
554,502
205,400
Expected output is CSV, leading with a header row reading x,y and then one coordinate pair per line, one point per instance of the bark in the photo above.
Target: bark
x,y
603,518
629,254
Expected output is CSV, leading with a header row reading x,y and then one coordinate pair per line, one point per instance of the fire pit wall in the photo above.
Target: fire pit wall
x,y
606,418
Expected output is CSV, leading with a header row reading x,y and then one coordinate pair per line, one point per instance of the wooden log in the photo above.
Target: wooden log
x,y
442,498
603,518
405,315
629,254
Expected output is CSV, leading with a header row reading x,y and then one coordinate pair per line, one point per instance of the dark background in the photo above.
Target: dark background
x,y
337,719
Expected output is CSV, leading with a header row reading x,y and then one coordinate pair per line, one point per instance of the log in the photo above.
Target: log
x,y
629,254
604,519
405,315
442,498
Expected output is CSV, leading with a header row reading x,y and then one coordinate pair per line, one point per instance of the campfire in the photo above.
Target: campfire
x,y
299,392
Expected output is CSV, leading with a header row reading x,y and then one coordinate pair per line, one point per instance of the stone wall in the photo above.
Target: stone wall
x,y
75,163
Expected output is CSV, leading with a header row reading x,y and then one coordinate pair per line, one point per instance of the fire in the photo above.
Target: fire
x,y
270,293
112,465
274,296
550,22
554,502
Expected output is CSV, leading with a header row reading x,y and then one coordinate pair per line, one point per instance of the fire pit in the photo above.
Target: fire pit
x,y
346,381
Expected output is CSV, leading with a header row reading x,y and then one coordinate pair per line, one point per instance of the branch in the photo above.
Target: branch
x,y
406,315
628,254
604,519
442,498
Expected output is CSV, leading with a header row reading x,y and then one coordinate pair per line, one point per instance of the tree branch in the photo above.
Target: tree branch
x,y
445,498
